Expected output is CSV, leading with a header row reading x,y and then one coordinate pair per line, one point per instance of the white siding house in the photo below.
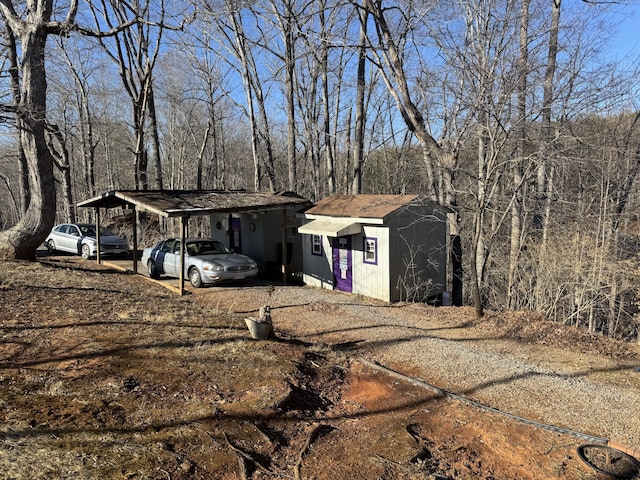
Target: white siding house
x,y
260,234
390,247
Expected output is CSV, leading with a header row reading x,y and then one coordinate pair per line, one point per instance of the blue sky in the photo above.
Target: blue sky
x,y
620,21
626,41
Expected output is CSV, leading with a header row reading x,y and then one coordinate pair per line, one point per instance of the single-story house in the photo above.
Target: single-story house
x,y
260,234
389,247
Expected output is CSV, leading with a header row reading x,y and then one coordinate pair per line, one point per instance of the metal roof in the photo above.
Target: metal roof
x,y
186,203
331,227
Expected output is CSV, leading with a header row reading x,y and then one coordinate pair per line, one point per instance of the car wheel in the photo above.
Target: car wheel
x,y
153,269
51,247
85,252
195,278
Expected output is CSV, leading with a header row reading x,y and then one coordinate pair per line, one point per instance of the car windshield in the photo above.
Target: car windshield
x,y
90,231
206,247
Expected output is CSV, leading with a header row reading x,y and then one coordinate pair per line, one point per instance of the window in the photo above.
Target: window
x,y
371,250
171,246
316,244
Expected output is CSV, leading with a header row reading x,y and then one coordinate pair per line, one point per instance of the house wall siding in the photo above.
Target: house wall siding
x,y
419,249
263,244
372,280
318,271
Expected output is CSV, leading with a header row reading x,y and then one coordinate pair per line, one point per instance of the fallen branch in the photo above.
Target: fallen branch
x,y
245,460
382,459
259,429
315,432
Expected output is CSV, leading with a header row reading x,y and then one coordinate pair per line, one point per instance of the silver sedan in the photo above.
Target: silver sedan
x,y
206,262
80,239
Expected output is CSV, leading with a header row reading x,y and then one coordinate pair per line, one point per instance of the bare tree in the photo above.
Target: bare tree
x,y
286,16
517,206
31,28
387,55
14,75
325,29
80,92
61,159
360,117
318,83
135,51
544,175
228,17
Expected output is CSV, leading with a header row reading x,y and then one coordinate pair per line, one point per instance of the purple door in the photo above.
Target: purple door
x,y
342,264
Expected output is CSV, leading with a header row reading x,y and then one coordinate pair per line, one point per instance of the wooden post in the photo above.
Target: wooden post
x,y
183,229
135,239
284,246
456,262
98,259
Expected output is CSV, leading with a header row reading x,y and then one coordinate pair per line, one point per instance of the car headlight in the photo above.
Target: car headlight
x,y
254,264
213,267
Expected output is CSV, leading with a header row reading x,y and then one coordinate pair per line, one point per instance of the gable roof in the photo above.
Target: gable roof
x,y
361,206
341,215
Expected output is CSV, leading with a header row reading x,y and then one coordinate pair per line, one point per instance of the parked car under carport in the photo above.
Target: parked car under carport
x,y
80,239
206,262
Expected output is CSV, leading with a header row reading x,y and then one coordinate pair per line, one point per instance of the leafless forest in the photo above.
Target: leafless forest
x,y
515,113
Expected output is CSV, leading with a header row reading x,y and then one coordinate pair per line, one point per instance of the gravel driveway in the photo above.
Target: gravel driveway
x,y
514,362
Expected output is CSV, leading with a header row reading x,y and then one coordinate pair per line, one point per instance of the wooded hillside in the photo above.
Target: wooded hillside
x,y
513,112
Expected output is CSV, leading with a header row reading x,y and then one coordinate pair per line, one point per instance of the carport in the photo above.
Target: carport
x,y
190,203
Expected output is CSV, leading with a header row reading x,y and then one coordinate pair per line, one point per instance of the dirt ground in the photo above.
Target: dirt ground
x,y
105,375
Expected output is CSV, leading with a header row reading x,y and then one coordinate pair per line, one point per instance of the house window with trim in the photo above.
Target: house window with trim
x,y
371,250
316,244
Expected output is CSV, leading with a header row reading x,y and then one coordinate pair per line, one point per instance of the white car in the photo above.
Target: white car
x,y
80,239
206,262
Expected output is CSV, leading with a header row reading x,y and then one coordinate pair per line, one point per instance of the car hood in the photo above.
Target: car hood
x,y
227,259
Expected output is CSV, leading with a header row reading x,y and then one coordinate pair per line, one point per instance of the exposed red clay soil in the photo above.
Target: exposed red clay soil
x,y
104,375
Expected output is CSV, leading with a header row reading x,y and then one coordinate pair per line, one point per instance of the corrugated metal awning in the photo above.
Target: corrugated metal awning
x,y
188,203
331,227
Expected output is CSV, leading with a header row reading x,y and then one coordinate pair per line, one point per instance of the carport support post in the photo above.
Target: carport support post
x,y
183,229
135,239
284,246
98,259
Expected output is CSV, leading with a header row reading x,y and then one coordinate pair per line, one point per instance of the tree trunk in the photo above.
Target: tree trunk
x,y
266,136
203,146
476,246
358,141
517,180
242,53
14,69
87,143
22,241
398,87
140,159
328,149
62,163
542,195
156,161
254,96
290,64
346,174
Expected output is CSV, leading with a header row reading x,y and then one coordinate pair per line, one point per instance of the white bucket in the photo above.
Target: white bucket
x,y
259,330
